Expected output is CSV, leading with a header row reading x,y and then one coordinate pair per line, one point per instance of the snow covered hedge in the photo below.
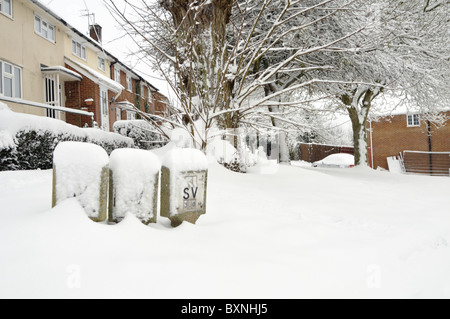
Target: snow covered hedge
x,y
28,141
142,133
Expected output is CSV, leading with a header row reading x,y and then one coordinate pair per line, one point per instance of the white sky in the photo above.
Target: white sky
x,y
114,39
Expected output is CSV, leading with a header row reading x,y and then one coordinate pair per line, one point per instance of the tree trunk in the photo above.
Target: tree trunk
x,y
282,137
359,138
358,105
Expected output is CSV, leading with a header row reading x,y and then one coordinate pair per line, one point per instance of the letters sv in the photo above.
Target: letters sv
x,y
187,194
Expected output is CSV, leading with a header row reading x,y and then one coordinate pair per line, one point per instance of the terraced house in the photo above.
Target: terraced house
x,y
49,68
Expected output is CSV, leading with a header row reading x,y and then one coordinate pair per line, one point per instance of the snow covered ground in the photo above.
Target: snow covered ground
x,y
300,232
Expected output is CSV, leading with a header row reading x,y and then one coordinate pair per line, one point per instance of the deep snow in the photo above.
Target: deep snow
x,y
300,232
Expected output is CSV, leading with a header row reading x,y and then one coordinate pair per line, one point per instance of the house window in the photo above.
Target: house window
x,y
44,28
118,114
131,115
79,50
128,82
6,7
116,74
101,63
413,120
10,80
149,96
141,90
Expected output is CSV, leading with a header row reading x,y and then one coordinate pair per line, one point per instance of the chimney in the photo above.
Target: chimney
x,y
95,32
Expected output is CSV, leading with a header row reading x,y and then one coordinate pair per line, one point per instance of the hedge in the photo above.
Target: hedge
x,y
27,141
141,132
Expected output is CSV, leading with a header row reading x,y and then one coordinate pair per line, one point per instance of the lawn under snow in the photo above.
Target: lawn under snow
x,y
300,232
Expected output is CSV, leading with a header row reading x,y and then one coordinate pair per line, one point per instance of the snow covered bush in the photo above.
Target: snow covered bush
x,y
27,141
141,132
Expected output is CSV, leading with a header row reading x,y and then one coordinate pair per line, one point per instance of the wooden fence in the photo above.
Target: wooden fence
x,y
311,153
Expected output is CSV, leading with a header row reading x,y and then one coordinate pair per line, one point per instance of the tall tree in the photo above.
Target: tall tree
x,y
403,52
228,60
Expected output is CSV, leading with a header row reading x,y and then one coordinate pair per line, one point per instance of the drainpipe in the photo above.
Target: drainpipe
x,y
430,156
371,143
112,77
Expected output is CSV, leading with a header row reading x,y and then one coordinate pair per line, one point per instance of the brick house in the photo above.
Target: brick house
x,y
392,135
50,68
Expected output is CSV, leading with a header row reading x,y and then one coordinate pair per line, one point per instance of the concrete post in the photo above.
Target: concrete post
x,y
81,170
134,180
184,176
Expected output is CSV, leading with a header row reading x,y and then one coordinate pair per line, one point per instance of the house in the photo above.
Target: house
x,y
424,146
49,68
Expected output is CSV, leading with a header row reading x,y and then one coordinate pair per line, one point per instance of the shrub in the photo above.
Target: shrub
x,y
27,142
141,132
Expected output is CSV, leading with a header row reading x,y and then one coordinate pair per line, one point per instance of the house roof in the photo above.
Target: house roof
x,y
94,75
89,40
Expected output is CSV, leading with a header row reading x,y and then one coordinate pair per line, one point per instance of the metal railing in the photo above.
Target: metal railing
x,y
429,163
48,107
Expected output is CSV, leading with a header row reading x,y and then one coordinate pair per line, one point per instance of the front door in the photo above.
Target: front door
x,y
52,94
104,108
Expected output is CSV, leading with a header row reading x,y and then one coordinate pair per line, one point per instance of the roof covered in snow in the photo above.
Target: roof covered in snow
x,y
95,76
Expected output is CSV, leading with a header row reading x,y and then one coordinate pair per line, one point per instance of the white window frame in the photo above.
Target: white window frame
x,y
144,88
16,83
78,50
118,114
131,115
129,83
101,63
116,74
413,120
2,8
45,28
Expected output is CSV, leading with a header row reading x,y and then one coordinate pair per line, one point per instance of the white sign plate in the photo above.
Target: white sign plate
x,y
191,192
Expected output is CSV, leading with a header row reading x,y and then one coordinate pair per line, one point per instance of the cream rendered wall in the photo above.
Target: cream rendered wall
x,y
91,54
21,46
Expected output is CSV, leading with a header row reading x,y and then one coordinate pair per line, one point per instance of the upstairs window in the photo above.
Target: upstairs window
x,y
128,82
6,7
101,63
116,74
10,80
78,50
413,120
44,28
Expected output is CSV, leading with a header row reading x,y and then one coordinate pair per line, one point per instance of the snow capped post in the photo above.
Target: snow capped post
x,y
184,176
81,170
134,180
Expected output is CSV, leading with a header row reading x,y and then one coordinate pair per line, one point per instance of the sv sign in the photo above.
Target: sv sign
x,y
191,190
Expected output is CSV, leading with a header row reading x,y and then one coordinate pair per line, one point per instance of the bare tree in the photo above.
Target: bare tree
x,y
404,52
241,62
228,60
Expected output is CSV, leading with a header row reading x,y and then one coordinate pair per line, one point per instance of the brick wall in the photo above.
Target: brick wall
x,y
77,93
391,136
160,104
155,105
